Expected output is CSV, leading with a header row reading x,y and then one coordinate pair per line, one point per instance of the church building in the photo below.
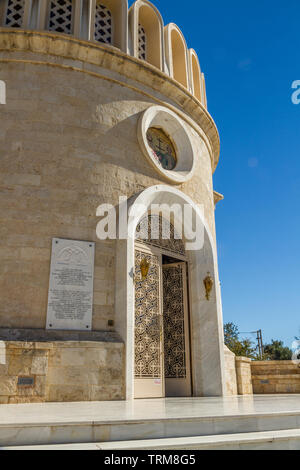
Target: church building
x,y
105,126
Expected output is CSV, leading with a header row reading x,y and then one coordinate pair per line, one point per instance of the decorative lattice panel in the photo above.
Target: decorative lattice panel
x,y
157,231
142,43
15,13
61,13
174,334
147,319
103,24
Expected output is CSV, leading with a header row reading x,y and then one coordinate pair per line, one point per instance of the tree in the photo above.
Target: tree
x,y
276,351
231,333
244,347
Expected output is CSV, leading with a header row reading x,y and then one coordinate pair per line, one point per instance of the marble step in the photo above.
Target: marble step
x,y
266,440
170,418
72,432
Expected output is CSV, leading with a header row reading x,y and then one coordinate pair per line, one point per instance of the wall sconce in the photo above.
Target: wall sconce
x,y
208,284
145,265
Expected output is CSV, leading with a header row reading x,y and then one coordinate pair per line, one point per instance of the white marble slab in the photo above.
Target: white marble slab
x,y
71,286
155,409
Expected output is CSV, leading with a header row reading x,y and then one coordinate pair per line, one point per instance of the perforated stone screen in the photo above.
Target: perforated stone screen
x,y
15,13
103,24
60,16
142,43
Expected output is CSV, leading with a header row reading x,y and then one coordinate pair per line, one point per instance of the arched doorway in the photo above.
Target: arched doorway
x,y
162,331
206,323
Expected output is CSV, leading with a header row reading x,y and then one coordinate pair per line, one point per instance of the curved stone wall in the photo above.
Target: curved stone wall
x,y
68,144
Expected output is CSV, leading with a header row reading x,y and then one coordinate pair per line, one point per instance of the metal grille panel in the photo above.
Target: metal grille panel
x,y
15,13
156,231
142,43
103,24
147,320
61,16
174,332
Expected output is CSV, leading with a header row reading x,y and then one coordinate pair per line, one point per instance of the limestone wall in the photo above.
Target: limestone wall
x,y
230,372
238,374
275,377
68,143
62,371
246,377
243,374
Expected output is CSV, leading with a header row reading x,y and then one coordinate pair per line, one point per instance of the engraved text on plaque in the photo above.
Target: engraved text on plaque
x,y
70,300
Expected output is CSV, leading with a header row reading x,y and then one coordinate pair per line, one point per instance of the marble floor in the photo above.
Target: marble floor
x,y
154,409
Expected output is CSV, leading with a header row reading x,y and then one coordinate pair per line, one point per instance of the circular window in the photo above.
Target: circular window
x,y
162,147
166,143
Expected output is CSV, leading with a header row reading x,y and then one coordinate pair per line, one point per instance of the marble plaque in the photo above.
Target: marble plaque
x,y
70,299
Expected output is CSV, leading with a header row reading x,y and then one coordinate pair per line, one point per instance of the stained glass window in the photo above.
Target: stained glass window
x,y
162,148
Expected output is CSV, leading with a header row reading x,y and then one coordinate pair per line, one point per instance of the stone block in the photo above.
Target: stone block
x,y
20,400
20,362
8,386
72,357
39,365
61,393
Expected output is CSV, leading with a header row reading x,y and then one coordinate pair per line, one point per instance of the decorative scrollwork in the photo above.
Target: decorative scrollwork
x,y
174,332
156,231
147,319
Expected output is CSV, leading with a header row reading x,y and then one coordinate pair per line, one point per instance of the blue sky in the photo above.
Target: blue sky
x,y
249,52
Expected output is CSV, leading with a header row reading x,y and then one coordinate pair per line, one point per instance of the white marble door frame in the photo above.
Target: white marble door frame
x,y
207,354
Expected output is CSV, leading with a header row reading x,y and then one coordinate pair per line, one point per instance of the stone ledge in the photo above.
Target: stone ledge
x,y
277,377
271,363
33,337
243,359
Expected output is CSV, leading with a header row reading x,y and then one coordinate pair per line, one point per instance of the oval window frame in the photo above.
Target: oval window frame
x,y
174,127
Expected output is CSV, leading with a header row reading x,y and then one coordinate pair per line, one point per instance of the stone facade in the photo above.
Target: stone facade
x,y
68,144
61,371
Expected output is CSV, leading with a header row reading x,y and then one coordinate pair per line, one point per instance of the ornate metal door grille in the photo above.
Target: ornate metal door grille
x,y
103,24
60,17
174,330
154,230
147,319
142,43
15,13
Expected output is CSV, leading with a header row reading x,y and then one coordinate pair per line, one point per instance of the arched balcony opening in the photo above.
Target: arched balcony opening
x,y
147,33
107,24
177,57
142,43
